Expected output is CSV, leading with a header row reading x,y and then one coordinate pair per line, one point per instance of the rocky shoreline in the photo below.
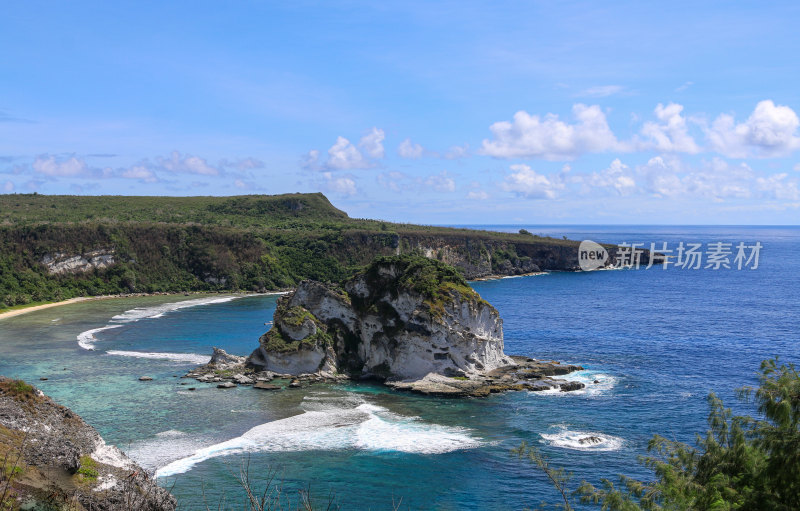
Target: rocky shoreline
x,y
52,459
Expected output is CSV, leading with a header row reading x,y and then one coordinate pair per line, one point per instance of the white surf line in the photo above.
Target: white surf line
x,y
87,339
193,358
366,427
583,440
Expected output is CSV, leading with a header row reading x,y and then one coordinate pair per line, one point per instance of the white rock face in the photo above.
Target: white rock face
x,y
391,337
63,263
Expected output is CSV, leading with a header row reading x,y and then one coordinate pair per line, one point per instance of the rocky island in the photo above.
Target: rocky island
x,y
52,459
411,322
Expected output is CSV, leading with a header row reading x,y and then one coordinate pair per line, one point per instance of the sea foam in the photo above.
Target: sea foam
x,y
192,358
582,440
364,427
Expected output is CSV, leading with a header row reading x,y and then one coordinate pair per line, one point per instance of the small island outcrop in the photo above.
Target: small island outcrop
x,y
409,321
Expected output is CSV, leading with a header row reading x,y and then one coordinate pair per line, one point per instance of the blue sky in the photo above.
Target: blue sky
x,y
448,112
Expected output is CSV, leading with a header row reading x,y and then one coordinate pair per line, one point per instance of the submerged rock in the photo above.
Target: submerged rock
x,y
64,463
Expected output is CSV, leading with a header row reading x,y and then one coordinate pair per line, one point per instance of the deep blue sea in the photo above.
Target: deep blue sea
x,y
656,341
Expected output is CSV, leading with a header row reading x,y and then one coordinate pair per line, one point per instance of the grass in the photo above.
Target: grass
x,y
26,305
88,469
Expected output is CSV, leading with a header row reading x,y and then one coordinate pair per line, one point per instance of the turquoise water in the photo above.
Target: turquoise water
x,y
657,341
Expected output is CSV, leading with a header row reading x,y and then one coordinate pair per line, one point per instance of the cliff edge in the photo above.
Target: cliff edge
x,y
52,459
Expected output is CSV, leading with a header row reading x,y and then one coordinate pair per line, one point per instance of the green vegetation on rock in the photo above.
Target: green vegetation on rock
x,y
439,283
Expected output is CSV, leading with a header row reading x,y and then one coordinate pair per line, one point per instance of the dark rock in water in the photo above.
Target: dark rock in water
x,y
57,445
590,440
571,385
294,384
226,385
596,381
145,378
192,388
266,386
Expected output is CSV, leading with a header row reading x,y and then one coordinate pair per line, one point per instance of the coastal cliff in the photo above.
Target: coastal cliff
x,y
58,247
401,318
409,321
52,459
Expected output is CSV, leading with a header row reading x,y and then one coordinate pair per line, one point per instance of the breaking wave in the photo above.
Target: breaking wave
x,y
364,427
583,440
87,339
193,358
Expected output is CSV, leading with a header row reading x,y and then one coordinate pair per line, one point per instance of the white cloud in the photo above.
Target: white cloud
x,y
372,143
602,91
54,167
683,87
187,164
671,133
8,187
769,131
408,149
778,187
344,155
529,136
139,172
342,185
716,179
441,182
617,176
479,195
796,167
457,151
526,182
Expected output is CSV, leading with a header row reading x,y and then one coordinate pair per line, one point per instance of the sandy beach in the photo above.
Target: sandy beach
x,y
25,310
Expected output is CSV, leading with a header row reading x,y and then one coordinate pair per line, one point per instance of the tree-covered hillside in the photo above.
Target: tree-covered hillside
x,y
245,243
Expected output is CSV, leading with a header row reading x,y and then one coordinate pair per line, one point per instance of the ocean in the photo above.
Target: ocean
x,y
654,342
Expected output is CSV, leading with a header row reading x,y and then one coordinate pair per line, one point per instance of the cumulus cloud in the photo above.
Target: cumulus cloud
x,y
771,130
372,143
62,167
8,187
548,137
716,179
617,177
139,172
342,185
670,133
526,182
441,182
408,149
187,164
344,155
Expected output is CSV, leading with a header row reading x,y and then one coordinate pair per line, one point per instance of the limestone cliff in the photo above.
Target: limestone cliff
x,y
52,459
399,319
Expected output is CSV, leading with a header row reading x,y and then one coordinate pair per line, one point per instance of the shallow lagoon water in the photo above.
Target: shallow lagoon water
x,y
657,341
